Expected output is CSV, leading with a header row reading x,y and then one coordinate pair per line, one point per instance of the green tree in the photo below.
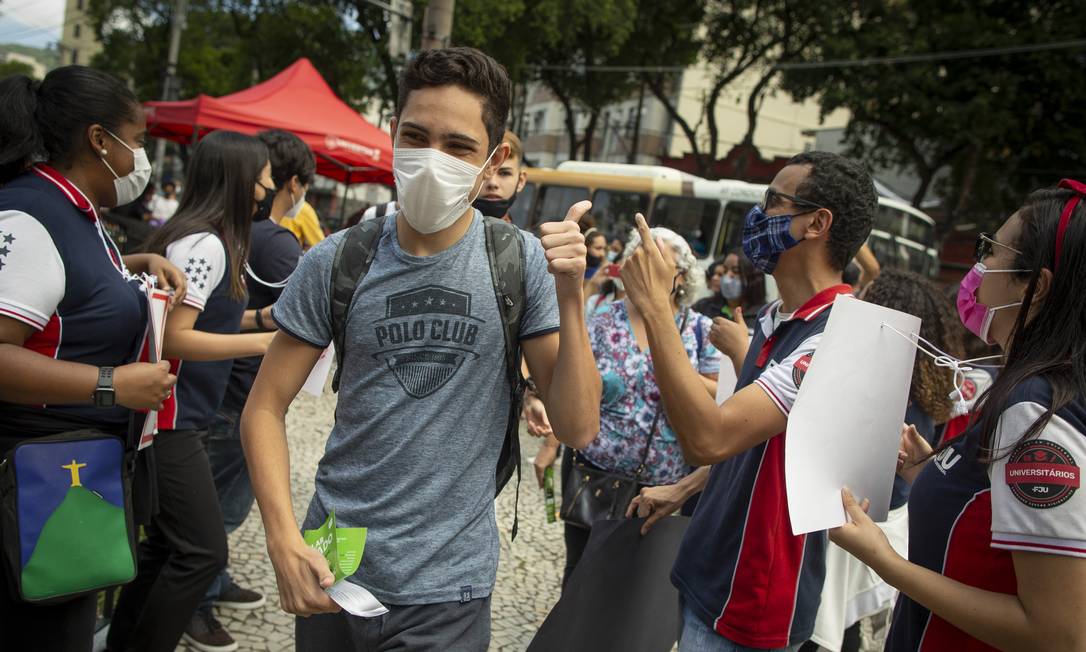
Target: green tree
x,y
573,46
228,45
991,127
9,68
735,38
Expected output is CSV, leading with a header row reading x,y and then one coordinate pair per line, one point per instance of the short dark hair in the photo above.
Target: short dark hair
x,y
289,157
846,189
49,119
469,69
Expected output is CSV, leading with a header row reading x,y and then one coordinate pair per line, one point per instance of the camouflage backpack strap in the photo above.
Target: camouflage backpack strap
x,y
505,252
354,255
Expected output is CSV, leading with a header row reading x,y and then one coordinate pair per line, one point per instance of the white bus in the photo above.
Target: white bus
x,y
709,214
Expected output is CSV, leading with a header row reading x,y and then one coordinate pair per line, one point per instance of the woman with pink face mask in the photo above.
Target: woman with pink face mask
x,y
997,532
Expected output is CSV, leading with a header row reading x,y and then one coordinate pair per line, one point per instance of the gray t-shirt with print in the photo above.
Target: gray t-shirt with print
x,y
422,411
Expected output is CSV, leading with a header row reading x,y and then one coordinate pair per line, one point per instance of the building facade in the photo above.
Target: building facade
x,y
784,126
78,42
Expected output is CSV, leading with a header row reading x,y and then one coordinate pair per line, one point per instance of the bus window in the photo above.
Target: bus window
x,y
520,211
892,221
614,210
731,230
692,218
921,231
554,202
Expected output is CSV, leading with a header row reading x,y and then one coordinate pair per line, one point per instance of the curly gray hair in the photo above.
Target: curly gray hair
x,y
693,281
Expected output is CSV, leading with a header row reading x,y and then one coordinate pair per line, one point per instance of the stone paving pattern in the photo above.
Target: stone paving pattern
x,y
529,573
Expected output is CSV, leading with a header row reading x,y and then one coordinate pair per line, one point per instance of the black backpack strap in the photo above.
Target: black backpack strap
x,y
354,255
505,252
382,209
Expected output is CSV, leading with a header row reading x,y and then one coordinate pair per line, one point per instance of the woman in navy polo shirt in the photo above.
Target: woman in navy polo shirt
x,y
227,187
71,311
997,518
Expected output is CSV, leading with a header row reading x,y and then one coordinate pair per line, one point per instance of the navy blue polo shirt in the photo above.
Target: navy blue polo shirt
x,y
202,385
62,275
740,568
273,255
967,517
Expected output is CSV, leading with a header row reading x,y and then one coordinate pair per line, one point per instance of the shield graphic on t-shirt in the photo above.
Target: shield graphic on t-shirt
x,y
422,372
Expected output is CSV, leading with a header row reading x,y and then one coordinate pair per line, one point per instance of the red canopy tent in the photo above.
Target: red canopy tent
x,y
348,148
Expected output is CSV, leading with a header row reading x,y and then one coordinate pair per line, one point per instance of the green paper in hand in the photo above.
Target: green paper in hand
x,y
342,547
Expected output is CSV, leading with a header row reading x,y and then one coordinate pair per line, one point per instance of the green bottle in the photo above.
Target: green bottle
x,y
548,495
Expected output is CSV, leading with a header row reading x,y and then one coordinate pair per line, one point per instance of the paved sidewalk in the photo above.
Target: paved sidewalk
x,y
529,574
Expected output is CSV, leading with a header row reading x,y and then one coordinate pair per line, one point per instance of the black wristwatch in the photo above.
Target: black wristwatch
x,y
104,394
529,385
260,320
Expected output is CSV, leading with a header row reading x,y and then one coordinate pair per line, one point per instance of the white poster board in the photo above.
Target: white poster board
x,y
726,380
314,384
845,427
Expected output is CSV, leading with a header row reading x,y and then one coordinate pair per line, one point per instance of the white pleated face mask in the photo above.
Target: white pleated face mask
x,y
433,188
130,186
296,208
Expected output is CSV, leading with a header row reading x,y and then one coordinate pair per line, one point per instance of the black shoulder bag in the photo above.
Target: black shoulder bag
x,y
591,494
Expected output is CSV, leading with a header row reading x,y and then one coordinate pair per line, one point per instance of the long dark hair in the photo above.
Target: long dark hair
x,y
219,186
911,293
48,120
1053,343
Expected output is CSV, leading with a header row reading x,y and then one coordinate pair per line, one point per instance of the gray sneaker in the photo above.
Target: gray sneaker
x,y
235,597
206,633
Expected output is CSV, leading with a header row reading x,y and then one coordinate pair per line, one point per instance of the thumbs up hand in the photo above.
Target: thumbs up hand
x,y
564,245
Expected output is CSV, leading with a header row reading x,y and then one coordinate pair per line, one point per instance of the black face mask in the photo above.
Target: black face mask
x,y
264,206
495,207
592,262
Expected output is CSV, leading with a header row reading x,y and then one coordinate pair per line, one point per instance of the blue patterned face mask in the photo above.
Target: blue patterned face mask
x,y
766,237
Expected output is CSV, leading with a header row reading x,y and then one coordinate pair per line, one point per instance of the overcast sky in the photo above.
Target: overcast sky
x,y
31,22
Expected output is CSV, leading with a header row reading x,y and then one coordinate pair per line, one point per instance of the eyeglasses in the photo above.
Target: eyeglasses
x,y
773,199
984,247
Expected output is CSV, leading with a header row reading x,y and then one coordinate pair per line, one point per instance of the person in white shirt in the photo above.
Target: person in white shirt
x,y
165,205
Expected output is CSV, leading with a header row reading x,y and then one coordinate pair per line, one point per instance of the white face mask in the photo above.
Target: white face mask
x,y
433,188
130,187
297,207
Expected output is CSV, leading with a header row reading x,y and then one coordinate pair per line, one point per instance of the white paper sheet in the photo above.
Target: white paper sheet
x,y
726,380
356,600
157,301
845,427
314,384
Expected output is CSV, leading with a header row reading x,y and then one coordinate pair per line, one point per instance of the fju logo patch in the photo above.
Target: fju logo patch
x,y
1042,474
426,336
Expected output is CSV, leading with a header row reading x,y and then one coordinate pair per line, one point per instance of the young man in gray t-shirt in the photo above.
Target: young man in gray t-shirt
x,y
424,395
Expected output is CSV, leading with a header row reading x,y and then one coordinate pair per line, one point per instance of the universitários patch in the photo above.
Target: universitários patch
x,y
799,370
1042,474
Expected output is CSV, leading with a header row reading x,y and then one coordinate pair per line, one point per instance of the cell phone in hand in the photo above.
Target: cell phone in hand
x,y
613,270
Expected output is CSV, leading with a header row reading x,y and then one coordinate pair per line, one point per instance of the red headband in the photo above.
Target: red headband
x,y
1079,189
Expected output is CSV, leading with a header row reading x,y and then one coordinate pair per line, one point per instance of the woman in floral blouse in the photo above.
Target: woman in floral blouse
x,y
631,399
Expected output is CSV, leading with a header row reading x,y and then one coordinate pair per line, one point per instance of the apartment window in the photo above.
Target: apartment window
x,y
75,56
538,122
76,31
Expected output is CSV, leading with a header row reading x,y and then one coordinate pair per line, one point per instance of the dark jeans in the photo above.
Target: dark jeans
x,y
65,627
184,551
232,485
459,626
